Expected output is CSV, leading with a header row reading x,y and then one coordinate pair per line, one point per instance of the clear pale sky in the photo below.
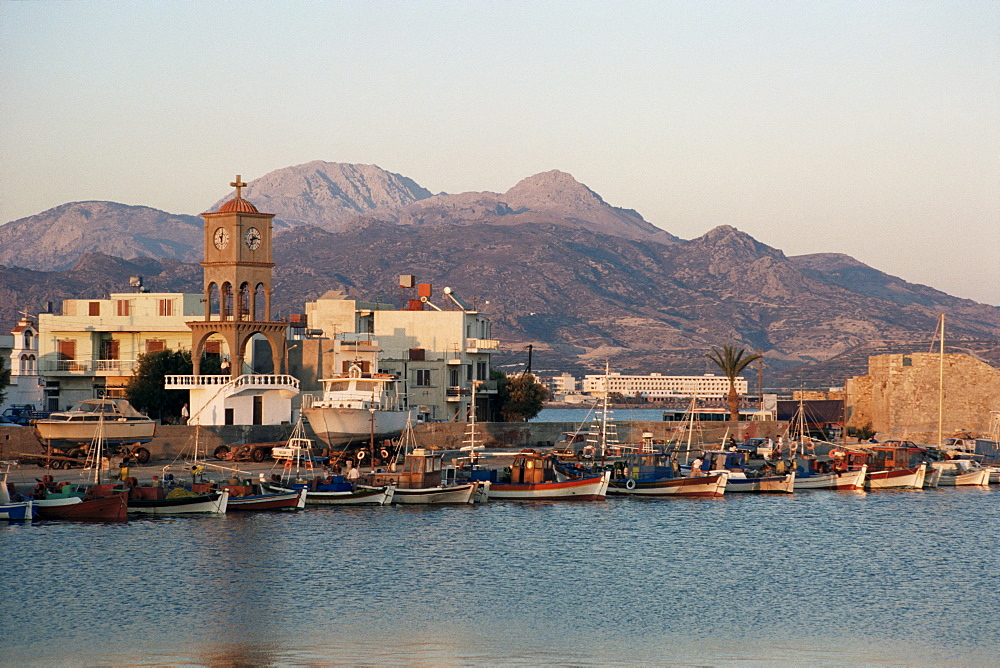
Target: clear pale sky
x,y
865,128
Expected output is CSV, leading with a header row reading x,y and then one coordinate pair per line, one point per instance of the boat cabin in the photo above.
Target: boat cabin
x,y
355,389
530,467
421,468
92,410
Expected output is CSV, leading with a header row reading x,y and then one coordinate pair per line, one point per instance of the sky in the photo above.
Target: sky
x,y
865,128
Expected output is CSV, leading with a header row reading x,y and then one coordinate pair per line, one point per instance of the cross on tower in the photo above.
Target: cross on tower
x,y
238,184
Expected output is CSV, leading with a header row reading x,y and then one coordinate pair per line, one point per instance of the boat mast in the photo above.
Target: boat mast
x,y
940,440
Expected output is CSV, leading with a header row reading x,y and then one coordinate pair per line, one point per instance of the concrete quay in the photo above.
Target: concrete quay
x,y
178,441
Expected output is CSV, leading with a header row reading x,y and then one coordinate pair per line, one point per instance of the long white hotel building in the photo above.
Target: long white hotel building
x,y
656,386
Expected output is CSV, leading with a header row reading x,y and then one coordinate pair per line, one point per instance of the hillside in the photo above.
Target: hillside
x,y
550,261
54,239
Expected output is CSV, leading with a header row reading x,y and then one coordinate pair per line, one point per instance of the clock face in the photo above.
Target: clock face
x,y
221,238
253,238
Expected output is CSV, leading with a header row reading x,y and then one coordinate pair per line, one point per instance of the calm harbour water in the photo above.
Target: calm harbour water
x,y
586,415
820,578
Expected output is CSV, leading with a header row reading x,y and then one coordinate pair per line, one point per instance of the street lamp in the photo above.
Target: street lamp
x,y
287,348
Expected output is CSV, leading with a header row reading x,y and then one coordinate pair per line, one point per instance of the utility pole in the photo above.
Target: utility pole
x,y
760,380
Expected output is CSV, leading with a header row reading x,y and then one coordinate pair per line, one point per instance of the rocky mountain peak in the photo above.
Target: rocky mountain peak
x,y
327,193
552,190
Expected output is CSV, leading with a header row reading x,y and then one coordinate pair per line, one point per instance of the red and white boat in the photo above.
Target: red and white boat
x,y
111,508
902,478
533,478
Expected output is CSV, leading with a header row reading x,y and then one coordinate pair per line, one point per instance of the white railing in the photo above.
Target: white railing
x,y
246,380
89,366
482,344
126,366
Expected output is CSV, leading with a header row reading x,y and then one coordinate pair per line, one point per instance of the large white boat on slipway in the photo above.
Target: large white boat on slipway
x,y
355,407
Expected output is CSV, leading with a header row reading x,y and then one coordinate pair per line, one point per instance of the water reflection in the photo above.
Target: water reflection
x,y
811,578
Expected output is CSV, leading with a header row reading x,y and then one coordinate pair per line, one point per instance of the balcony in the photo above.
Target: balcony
x,y
479,345
87,367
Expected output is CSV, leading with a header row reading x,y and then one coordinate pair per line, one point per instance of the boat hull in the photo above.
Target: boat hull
x,y
115,432
111,508
845,480
214,502
593,488
374,496
293,500
18,510
336,426
909,478
465,493
979,478
773,484
694,486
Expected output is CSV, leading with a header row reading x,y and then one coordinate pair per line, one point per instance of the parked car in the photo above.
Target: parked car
x,y
23,414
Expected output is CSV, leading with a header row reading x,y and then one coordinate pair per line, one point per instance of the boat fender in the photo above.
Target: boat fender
x,y
288,464
630,484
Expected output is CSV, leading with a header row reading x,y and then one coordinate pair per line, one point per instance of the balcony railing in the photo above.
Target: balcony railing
x,y
86,367
481,344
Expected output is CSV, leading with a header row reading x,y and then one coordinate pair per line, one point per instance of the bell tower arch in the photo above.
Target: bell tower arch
x,y
237,275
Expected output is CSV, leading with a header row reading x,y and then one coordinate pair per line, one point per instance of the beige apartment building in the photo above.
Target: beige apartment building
x,y
92,348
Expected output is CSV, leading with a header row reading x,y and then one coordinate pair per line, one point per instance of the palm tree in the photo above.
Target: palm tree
x,y
732,362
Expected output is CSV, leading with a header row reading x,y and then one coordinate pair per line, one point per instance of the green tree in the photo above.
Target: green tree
x,y
520,398
146,389
732,362
4,380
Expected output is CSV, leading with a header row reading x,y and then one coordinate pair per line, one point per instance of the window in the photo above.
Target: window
x,y
27,339
94,308
67,349
481,371
124,306
422,378
454,377
166,307
155,345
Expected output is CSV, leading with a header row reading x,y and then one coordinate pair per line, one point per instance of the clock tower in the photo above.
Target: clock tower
x,y
237,282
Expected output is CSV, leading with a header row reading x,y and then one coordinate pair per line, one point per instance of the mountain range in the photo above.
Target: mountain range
x,y
550,261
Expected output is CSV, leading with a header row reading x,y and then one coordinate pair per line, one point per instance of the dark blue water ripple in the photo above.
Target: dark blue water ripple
x,y
890,578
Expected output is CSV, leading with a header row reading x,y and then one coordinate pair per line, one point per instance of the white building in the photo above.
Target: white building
x,y
655,387
439,354
21,346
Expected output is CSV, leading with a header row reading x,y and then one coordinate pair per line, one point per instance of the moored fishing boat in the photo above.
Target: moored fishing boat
x,y
832,472
895,466
657,475
157,500
110,508
424,480
11,508
532,477
743,479
334,491
246,496
961,473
